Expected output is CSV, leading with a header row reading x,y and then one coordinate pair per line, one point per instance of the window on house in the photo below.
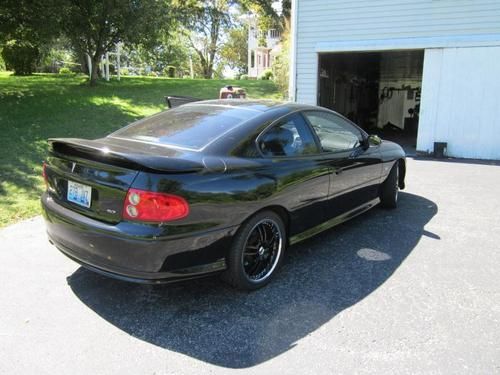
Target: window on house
x,y
252,59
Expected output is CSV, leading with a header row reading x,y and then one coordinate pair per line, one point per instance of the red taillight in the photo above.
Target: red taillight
x,y
142,205
44,174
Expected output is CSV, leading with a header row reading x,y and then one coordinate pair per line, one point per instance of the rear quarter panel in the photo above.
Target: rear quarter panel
x,y
227,198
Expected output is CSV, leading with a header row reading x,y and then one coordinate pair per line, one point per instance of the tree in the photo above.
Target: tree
x,y
272,14
96,26
170,50
235,51
204,21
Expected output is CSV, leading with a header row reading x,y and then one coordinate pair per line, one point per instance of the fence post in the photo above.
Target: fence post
x,y
89,65
107,66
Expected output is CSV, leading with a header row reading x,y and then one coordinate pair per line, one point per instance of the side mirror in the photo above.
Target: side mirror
x,y
374,140
371,140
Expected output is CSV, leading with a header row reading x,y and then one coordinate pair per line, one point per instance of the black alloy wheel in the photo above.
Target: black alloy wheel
x,y
256,252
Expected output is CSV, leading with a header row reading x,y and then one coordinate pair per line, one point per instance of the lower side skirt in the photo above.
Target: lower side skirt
x,y
333,222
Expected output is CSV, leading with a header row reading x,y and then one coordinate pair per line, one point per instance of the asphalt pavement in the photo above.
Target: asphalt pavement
x,y
413,290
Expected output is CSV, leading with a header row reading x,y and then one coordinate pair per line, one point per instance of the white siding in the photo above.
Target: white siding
x,y
460,102
343,21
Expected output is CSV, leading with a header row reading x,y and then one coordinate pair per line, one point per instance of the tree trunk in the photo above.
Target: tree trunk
x,y
95,69
207,71
84,68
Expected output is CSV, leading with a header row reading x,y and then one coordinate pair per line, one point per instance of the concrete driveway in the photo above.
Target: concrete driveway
x,y
416,290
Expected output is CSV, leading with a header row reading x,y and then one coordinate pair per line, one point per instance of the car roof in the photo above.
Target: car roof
x,y
261,113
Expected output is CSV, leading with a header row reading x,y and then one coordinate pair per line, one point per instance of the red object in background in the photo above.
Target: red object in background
x,y
232,92
44,174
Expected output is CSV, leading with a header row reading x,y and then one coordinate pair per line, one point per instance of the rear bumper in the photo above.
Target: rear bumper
x,y
135,252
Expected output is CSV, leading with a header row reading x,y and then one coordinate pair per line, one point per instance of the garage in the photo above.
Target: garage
x,y
380,91
423,73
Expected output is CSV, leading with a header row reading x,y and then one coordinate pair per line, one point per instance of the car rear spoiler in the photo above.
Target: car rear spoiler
x,y
109,154
176,100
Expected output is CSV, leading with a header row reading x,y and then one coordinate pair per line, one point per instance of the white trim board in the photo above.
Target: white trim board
x,y
410,43
292,79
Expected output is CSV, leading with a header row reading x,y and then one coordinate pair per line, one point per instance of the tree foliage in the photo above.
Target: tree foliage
x,y
281,65
272,14
234,52
170,49
204,21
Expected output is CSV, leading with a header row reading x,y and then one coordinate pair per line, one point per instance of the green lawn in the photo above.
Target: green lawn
x,y
38,107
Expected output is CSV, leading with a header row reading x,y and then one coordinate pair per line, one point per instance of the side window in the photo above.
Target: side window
x,y
289,137
334,133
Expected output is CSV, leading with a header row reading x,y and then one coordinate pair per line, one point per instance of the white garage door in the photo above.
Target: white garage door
x,y
461,102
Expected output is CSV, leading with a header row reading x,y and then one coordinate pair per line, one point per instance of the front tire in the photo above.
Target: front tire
x,y
256,252
390,188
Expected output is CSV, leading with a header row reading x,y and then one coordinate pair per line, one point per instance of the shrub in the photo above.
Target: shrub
x,y
169,71
152,74
281,66
65,70
244,77
2,63
21,57
124,71
266,75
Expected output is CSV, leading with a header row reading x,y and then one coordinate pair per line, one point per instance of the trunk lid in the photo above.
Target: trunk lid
x,y
108,183
108,169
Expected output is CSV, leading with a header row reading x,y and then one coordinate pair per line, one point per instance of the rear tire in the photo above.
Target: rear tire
x,y
390,189
256,252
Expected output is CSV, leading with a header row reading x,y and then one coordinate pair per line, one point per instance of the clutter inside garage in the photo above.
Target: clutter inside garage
x,y
380,91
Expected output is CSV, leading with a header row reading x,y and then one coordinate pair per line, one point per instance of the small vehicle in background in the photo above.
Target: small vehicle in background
x,y
232,92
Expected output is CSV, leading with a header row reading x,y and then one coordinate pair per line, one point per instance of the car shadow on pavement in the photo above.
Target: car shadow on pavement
x,y
320,277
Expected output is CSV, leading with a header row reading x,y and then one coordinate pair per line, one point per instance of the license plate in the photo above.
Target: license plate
x,y
79,194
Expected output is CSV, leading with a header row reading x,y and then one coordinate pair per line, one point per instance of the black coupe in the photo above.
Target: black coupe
x,y
218,186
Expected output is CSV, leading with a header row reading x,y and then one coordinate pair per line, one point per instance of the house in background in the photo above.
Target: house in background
x,y
263,47
424,71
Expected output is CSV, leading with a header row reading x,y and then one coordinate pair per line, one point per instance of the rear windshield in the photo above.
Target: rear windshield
x,y
191,127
